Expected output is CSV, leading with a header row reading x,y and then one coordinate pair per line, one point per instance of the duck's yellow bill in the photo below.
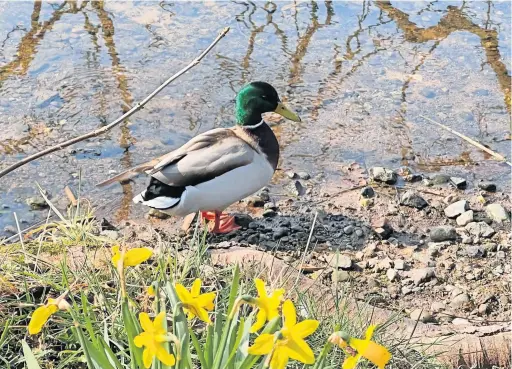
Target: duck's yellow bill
x,y
287,113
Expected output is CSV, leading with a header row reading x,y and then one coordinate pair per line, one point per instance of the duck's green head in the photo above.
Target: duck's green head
x,y
257,98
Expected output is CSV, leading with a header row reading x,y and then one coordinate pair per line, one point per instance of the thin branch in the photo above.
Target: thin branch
x,y
125,116
471,141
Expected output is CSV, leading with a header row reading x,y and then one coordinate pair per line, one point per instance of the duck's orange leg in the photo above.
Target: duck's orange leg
x,y
222,222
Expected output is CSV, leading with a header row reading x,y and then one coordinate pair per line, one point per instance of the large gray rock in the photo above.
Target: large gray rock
x,y
381,174
413,200
497,212
465,218
480,229
456,209
443,233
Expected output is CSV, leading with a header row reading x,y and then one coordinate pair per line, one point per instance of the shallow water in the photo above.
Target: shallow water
x,y
360,74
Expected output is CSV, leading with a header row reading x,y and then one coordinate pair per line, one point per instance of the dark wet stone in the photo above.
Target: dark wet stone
x,y
255,201
443,233
367,192
487,186
269,213
458,182
243,220
280,232
253,225
413,200
253,239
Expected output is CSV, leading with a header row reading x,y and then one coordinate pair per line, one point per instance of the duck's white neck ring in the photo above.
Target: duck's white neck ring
x,y
255,125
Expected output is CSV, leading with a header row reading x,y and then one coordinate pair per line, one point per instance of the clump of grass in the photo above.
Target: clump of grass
x,y
104,303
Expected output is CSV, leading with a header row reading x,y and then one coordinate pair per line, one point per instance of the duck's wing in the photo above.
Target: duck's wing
x,y
204,157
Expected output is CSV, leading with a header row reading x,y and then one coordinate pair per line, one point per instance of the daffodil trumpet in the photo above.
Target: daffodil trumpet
x,y
41,315
357,348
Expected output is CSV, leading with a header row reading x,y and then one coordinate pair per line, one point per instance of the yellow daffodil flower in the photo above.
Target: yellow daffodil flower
x,y
289,342
43,313
152,339
372,351
195,303
132,257
267,305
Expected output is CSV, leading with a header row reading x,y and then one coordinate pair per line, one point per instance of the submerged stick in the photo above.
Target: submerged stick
x,y
471,141
125,116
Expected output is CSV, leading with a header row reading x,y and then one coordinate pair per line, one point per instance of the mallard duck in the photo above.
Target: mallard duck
x,y
219,167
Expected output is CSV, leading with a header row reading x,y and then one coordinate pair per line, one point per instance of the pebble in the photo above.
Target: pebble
x,y
253,239
399,264
381,174
391,274
500,255
413,200
304,175
297,189
270,205
113,235
382,227
467,239
497,212
440,179
280,232
480,229
269,213
10,229
255,201
340,276
348,229
367,192
37,203
465,218
340,261
158,214
456,209
487,186
421,315
292,175
483,308
443,233
475,251
437,307
359,233
406,290
460,300
421,275
458,182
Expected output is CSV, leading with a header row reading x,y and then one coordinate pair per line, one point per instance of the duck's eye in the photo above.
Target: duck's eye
x,y
263,96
